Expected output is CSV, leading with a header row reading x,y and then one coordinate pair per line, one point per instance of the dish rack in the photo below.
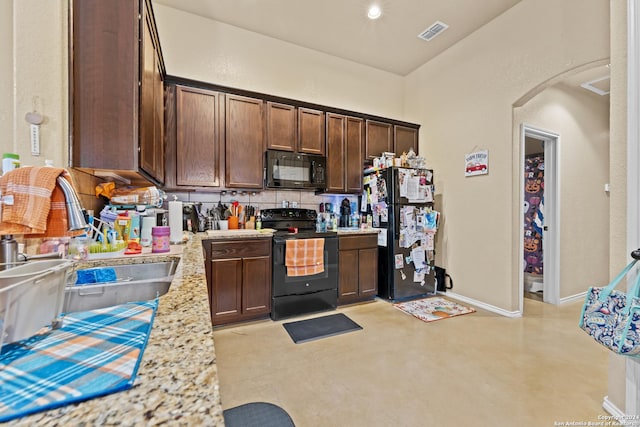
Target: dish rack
x,y
31,298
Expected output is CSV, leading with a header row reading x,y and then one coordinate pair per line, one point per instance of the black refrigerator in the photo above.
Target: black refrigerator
x,y
400,202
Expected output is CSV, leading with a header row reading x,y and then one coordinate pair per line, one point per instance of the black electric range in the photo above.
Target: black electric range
x,y
297,295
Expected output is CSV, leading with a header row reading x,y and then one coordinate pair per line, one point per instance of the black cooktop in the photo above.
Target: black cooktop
x,y
293,223
287,214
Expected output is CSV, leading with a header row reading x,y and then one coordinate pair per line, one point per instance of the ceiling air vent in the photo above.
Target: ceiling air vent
x,y
431,32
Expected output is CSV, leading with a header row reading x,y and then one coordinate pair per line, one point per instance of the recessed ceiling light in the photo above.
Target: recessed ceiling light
x,y
374,12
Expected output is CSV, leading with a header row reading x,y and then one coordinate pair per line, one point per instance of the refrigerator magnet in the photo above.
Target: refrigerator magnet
x,y
399,262
384,215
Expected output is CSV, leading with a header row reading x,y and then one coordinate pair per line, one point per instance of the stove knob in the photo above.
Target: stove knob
x,y
312,215
297,214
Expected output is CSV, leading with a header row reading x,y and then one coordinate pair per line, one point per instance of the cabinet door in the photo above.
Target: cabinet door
x,y
151,103
158,121
105,78
353,161
244,147
404,139
226,289
256,286
281,127
348,274
378,139
368,271
311,131
197,137
147,101
336,152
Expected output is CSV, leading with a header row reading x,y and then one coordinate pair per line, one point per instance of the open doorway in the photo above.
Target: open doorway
x,y
533,259
539,219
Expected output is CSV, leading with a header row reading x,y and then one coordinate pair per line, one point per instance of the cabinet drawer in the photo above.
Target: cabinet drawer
x,y
358,242
240,248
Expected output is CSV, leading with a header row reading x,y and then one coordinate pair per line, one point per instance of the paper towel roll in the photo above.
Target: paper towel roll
x,y
175,221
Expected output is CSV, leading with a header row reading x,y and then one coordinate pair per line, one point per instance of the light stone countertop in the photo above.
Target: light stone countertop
x,y
350,231
177,382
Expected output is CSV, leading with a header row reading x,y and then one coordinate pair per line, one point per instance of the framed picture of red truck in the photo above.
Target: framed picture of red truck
x,y
476,163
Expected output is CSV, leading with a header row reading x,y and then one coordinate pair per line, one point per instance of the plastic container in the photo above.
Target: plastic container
x,y
160,239
31,298
148,222
10,161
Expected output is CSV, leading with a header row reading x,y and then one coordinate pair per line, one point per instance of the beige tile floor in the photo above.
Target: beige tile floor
x,y
479,369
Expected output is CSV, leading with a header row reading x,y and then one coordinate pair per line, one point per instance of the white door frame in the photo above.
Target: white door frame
x,y
632,394
551,235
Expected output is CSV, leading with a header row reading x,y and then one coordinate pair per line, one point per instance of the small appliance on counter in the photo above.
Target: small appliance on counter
x,y
345,213
192,217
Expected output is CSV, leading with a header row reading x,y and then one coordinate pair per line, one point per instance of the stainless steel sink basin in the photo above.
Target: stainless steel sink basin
x,y
134,282
28,270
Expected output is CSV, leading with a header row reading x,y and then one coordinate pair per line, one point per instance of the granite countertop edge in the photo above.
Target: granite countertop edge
x,y
177,381
350,231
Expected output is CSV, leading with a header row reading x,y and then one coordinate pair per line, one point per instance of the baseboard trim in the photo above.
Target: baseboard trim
x,y
612,409
581,296
484,306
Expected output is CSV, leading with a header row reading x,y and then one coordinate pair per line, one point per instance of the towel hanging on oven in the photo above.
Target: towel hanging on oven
x,y
304,257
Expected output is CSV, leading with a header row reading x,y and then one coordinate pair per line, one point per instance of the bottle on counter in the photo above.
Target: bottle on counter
x,y
258,221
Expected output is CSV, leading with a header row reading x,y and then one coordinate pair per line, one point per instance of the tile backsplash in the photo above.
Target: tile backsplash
x,y
265,199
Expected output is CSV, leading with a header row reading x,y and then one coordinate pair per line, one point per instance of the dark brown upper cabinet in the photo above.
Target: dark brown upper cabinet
x,y
116,79
344,153
152,102
281,126
311,131
404,139
245,142
379,139
354,148
336,152
198,137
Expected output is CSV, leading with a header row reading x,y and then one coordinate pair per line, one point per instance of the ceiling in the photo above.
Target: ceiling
x,y
342,29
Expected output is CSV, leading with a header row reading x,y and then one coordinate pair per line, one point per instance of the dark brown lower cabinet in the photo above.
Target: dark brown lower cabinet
x,y
238,279
358,267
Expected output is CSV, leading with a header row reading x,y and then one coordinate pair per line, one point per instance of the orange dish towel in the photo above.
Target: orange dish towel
x,y
38,202
304,257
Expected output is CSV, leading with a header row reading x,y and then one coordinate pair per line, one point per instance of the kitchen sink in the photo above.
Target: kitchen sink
x,y
133,282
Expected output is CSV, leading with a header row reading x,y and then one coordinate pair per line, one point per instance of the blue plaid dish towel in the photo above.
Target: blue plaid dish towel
x,y
94,353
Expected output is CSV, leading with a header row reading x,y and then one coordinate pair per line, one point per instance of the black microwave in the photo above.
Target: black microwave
x,y
288,170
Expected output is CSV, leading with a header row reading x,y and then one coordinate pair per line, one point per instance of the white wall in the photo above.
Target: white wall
x,y
6,76
210,51
463,99
582,121
34,76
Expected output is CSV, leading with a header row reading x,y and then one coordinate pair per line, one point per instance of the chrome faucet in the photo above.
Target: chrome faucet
x,y
75,214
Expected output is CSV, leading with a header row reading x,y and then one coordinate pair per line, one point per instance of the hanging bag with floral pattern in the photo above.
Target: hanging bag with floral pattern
x,y
612,317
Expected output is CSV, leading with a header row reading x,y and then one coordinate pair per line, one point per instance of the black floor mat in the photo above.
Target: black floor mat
x,y
320,327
